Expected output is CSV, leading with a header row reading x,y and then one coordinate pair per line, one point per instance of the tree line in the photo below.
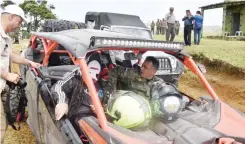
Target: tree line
x,y
35,12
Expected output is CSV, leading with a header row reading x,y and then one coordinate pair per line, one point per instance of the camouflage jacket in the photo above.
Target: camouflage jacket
x,y
158,24
152,25
128,79
177,25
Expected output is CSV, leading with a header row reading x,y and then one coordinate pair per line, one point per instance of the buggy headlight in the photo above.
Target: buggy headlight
x,y
171,104
105,41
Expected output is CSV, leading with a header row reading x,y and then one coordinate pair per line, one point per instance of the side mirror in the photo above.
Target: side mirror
x,y
202,68
102,27
139,56
132,56
129,56
90,24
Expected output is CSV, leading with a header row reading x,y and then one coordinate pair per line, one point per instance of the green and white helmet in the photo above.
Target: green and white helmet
x,y
129,110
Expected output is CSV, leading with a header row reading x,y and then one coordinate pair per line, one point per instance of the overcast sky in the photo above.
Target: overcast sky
x,y
148,10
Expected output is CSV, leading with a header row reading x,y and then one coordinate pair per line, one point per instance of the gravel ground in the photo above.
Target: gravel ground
x,y
23,136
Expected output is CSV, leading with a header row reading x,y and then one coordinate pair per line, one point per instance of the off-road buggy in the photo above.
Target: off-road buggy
x,y
170,67
201,120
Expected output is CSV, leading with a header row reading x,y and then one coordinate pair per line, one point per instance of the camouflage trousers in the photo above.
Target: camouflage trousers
x,y
177,31
163,30
152,31
170,32
158,30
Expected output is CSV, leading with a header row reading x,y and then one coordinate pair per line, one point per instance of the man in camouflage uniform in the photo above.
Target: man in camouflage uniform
x,y
163,26
152,27
177,25
137,79
158,26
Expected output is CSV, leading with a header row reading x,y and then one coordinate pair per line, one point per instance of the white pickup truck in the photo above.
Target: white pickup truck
x,y
170,68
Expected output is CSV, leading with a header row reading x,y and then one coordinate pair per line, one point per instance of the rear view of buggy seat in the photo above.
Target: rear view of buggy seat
x,y
146,135
99,64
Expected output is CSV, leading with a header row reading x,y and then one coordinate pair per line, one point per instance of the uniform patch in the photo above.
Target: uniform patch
x,y
5,47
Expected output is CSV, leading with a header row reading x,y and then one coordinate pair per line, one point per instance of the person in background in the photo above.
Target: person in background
x,y
170,19
198,24
158,26
163,27
188,19
152,27
177,26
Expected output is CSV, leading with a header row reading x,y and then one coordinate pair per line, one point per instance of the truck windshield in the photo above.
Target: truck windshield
x,y
133,31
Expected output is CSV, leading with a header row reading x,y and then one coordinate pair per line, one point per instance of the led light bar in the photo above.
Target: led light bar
x,y
100,42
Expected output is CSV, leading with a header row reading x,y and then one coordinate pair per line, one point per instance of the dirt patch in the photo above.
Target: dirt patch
x,y
220,66
227,80
24,136
230,89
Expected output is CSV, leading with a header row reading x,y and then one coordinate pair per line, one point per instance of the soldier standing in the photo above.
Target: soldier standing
x,y
170,19
177,25
152,27
158,26
163,26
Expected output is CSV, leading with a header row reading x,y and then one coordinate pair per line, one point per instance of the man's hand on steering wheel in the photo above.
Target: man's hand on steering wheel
x,y
227,141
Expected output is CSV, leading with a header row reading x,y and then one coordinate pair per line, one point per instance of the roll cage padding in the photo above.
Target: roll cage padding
x,y
57,72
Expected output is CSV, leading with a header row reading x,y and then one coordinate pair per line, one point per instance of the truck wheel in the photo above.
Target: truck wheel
x,y
60,25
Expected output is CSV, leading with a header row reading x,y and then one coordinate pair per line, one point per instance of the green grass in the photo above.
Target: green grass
x,y
232,52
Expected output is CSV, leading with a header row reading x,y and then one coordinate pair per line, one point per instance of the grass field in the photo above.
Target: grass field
x,y
232,52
